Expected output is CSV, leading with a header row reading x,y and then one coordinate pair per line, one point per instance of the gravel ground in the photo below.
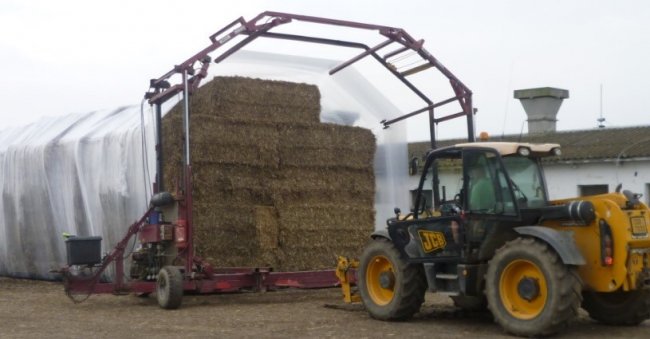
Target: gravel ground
x,y
37,309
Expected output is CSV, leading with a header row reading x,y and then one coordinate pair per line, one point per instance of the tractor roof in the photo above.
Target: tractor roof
x,y
507,148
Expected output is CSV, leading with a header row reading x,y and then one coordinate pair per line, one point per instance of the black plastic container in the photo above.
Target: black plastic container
x,y
84,250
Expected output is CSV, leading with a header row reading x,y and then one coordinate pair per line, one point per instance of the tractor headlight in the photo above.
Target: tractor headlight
x,y
556,151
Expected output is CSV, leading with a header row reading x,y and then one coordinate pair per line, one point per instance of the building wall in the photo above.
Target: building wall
x,y
564,180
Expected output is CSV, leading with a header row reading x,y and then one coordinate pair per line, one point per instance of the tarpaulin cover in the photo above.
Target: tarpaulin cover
x,y
81,174
91,174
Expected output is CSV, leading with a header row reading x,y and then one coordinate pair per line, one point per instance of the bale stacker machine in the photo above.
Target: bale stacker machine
x,y
165,261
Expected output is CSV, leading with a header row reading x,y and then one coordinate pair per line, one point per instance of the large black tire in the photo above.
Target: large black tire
x,y
169,288
530,292
390,288
618,308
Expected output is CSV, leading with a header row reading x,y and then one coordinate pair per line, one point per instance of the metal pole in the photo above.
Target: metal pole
x,y
471,132
187,177
186,118
432,129
434,166
160,187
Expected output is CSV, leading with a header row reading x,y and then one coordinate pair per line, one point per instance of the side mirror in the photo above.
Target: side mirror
x,y
397,211
633,199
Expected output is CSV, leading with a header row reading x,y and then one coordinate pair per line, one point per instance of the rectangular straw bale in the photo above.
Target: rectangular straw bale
x,y
224,226
276,101
233,184
326,135
321,196
319,185
229,257
236,155
224,246
172,149
224,217
247,232
299,178
172,174
209,129
276,113
223,141
216,239
333,237
327,216
268,258
328,157
326,145
235,176
267,226
316,257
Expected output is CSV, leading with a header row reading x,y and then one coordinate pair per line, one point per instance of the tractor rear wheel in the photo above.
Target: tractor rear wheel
x,y
618,308
169,287
530,292
391,289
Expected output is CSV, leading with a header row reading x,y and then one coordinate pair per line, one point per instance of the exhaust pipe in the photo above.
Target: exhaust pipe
x,y
579,211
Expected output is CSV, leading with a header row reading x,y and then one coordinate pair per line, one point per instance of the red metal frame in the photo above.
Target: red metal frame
x,y
200,276
161,91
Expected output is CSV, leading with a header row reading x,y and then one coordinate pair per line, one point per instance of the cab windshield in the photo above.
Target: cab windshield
x,y
527,180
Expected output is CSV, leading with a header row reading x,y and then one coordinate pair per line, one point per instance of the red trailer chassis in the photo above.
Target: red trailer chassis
x,y
198,275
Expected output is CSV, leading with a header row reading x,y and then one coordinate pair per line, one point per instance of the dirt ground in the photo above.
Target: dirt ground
x,y
37,309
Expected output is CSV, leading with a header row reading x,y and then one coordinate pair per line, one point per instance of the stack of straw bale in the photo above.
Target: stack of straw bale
x,y
273,186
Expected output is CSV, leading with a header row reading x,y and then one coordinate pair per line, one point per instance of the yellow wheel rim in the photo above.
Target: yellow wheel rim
x,y
523,289
379,266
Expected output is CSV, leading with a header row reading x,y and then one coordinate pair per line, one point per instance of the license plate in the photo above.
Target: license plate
x,y
638,225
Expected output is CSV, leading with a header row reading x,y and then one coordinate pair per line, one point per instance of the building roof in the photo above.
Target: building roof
x,y
577,145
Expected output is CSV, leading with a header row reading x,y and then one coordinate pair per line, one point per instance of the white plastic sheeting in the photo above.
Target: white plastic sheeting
x,y
82,174
86,174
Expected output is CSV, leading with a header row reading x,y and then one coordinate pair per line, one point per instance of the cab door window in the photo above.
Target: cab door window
x,y
487,184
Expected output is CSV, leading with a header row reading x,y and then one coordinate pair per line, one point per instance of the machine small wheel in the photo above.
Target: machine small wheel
x,y
169,288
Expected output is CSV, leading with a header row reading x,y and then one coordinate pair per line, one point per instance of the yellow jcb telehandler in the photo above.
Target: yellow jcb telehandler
x,y
498,242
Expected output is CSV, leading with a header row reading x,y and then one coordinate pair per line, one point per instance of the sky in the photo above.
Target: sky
x,y
65,56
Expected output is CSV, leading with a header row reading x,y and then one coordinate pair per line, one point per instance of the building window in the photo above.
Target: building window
x,y
585,190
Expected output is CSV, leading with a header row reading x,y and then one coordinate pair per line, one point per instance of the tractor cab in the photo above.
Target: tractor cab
x,y
491,178
479,192
475,189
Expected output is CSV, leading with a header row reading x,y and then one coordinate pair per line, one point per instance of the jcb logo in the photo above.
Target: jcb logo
x,y
432,241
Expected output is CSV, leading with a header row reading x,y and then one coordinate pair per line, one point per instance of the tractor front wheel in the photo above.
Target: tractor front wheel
x,y
618,308
530,292
391,289
169,287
